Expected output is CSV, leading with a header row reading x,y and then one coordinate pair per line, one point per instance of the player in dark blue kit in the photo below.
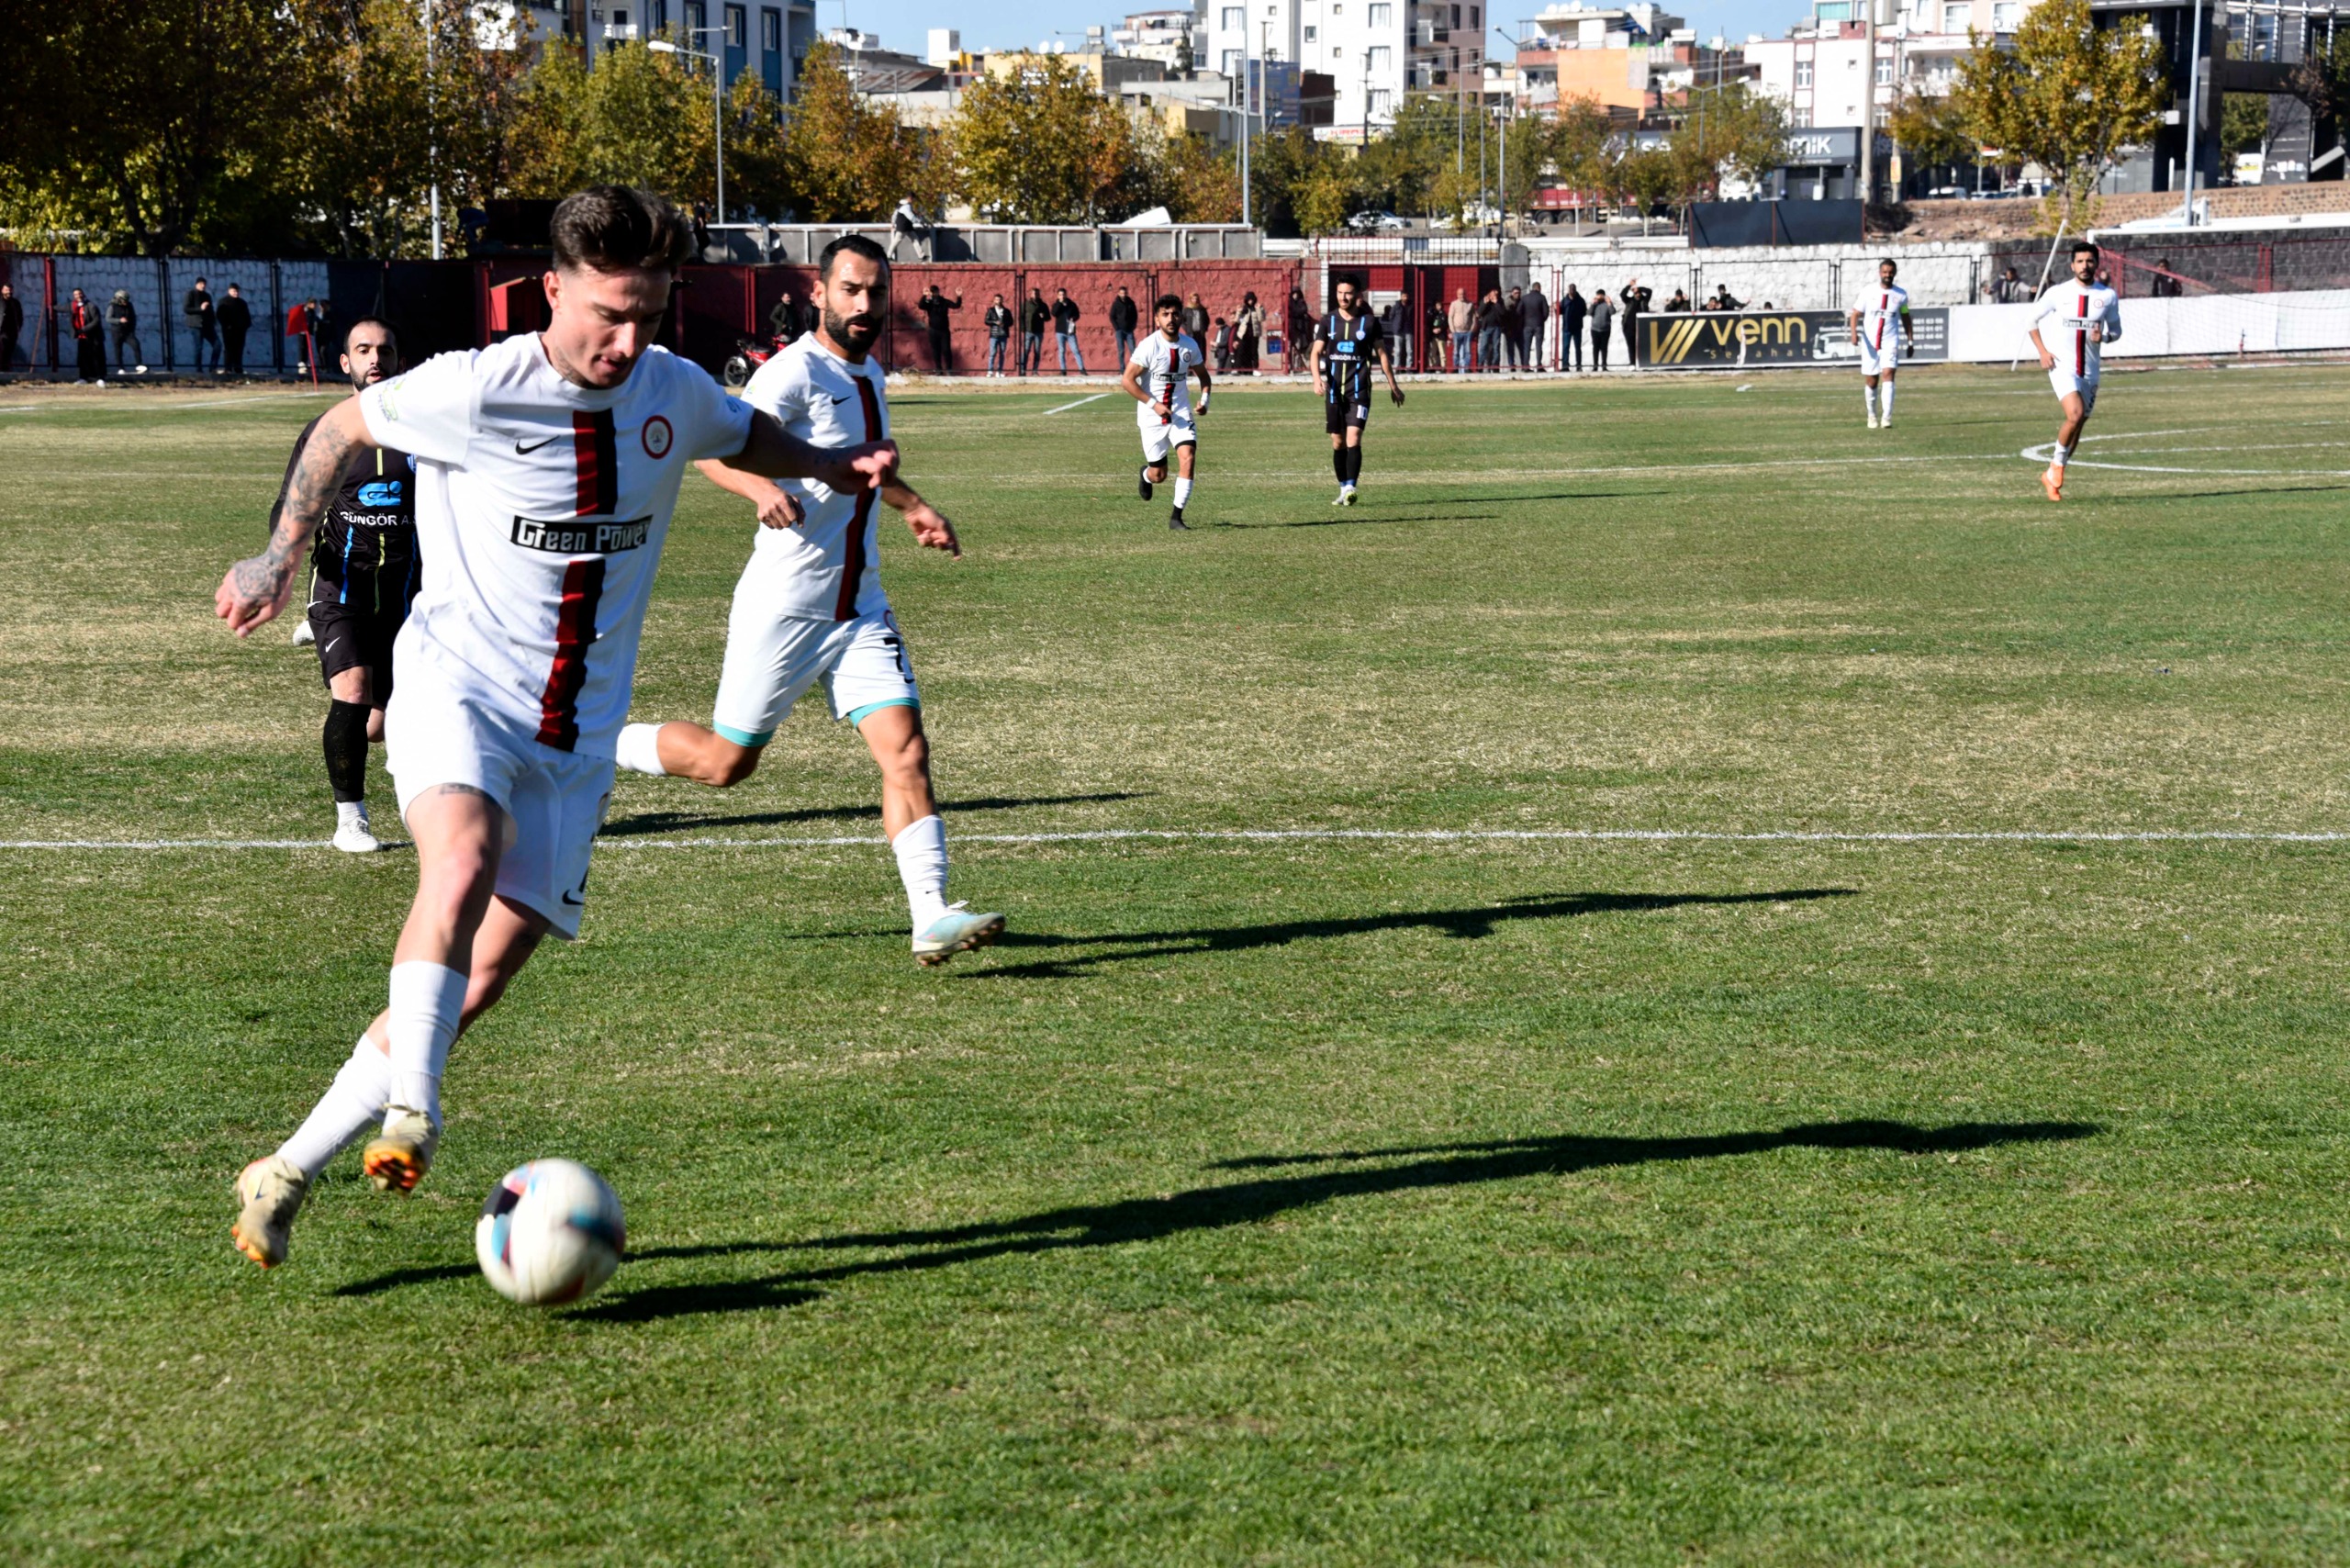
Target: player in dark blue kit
x,y
362,575
1345,345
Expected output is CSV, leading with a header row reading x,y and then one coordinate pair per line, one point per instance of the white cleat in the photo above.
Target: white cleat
x,y
304,633
1345,495
1873,421
352,832
269,1194
956,931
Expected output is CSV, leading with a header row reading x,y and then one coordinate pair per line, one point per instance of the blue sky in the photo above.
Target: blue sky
x,y
1004,23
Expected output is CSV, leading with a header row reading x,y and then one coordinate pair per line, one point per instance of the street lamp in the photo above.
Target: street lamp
x,y
717,101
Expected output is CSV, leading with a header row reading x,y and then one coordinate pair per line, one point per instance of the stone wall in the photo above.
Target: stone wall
x,y
156,285
2021,219
1791,277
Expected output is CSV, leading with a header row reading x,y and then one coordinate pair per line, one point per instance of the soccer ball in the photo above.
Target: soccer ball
x,y
551,1232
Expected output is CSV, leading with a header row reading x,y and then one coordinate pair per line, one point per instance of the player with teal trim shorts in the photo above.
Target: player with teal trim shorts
x,y
810,609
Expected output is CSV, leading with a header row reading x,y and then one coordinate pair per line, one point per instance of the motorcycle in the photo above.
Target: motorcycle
x,y
747,357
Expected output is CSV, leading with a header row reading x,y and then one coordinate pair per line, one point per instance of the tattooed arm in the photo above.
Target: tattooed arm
x,y
256,589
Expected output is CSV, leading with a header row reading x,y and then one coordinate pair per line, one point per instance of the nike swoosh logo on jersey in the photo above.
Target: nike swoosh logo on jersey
x,y
576,902
522,451
838,401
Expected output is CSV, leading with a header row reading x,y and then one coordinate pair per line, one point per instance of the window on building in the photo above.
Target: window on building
x,y
1382,103
1802,75
657,17
1475,18
771,49
1956,14
737,52
1381,58
1381,14
2005,15
1234,18
1309,35
1884,73
1232,62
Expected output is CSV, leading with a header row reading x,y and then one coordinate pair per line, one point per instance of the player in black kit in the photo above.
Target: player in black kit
x,y
362,575
1345,344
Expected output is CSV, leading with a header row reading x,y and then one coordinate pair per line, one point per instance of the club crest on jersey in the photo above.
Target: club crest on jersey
x,y
570,538
657,437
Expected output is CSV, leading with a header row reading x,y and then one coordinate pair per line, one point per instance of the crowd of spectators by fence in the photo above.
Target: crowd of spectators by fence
x,y
216,328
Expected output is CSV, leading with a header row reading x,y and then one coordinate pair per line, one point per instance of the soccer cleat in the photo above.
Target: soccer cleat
x,y
269,1194
956,931
397,1158
352,832
1175,520
2052,479
1346,495
1142,483
304,633
1872,422
1885,423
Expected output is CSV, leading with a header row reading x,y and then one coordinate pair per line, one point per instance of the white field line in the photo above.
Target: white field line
x,y
1301,835
1065,408
173,407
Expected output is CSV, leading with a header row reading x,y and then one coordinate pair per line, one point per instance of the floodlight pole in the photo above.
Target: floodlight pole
x,y
432,130
717,100
2194,105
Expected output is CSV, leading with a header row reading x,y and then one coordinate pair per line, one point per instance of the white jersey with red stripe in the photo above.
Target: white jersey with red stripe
x,y
828,566
542,507
2064,317
1881,307
1167,370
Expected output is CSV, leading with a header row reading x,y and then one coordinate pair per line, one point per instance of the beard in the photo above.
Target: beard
x,y
855,334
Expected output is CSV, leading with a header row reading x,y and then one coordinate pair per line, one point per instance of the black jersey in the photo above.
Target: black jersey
x,y
1349,348
370,522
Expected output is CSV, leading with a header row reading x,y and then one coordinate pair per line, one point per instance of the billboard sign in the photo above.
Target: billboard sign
x,y
1738,340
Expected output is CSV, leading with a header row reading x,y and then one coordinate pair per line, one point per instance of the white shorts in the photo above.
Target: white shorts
x,y
2066,384
1159,439
1880,362
772,660
435,734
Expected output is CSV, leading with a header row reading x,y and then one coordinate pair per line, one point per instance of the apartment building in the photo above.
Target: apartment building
x,y
1374,51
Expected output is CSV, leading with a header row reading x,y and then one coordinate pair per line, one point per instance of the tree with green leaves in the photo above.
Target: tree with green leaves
x,y
637,119
1931,132
845,159
2070,96
2320,80
1731,130
1039,145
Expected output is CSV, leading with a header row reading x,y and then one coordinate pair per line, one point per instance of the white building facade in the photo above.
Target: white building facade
x,y
1375,51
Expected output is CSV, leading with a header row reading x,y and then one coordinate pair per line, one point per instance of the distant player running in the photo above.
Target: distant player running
x,y
1345,345
362,575
2082,316
1881,324
547,469
1158,378
810,608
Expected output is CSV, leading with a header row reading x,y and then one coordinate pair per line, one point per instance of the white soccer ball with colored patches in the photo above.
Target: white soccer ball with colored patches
x,y
551,1232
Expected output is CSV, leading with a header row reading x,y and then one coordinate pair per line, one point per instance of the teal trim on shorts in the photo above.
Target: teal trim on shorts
x,y
740,737
858,715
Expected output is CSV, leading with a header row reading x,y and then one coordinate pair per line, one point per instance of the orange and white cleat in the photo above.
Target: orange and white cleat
x,y
2052,479
397,1158
269,1194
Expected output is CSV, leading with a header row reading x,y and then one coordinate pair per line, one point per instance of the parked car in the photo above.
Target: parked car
x,y
1377,223
1947,193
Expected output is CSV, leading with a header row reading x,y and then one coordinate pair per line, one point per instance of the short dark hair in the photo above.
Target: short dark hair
x,y
1168,302
613,228
1348,279
389,331
2088,245
1888,262
854,245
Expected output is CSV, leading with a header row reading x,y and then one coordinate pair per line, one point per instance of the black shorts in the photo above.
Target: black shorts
x,y
355,627
1340,415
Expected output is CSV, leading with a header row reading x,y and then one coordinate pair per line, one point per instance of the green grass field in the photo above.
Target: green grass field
x,y
1262,1200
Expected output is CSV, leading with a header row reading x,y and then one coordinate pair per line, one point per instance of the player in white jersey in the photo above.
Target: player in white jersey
x,y
1880,321
547,469
1158,378
810,606
2081,316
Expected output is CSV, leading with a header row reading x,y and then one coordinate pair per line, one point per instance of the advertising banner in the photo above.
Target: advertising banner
x,y
1735,339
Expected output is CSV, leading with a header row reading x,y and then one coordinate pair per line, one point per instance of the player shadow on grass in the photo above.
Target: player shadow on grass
x,y
1220,1207
1463,925
644,823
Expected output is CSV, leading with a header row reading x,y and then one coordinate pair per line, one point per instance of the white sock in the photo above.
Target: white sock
x,y
356,1098
639,749
1868,394
921,850
351,811
2061,453
1183,493
427,1001
1886,396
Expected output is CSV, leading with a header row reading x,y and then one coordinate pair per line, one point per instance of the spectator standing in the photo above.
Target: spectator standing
x,y
1537,317
935,309
1247,333
1034,314
1437,333
2165,283
1513,329
1066,316
1196,319
1489,330
1461,316
122,326
1394,319
1602,322
236,318
11,323
2010,289
783,320
1124,314
1572,310
1298,331
998,325
197,312
1223,346
89,346
1633,301
1679,303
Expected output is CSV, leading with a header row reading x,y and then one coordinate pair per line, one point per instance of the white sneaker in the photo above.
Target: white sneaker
x,y
304,633
956,931
352,832
1872,422
1346,495
1885,423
